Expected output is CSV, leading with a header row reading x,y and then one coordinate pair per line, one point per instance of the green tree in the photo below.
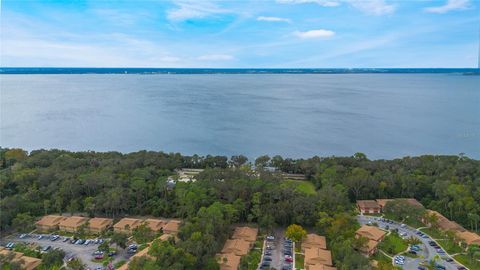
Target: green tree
x,y
23,222
120,239
143,234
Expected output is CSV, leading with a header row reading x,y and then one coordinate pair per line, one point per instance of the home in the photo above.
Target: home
x,y
320,267
126,225
99,225
155,224
72,224
314,241
187,174
27,263
228,261
246,233
317,256
411,201
49,223
368,207
444,223
172,227
374,236
469,238
238,247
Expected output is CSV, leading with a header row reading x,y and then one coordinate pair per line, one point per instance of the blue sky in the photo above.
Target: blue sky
x,y
277,33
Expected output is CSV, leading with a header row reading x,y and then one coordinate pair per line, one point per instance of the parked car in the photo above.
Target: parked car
x,y
413,252
40,237
112,253
268,252
288,258
22,236
267,258
45,249
87,242
99,256
270,238
65,239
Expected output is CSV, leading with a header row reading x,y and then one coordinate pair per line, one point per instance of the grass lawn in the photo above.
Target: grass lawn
x,y
393,244
435,233
380,257
465,261
449,246
300,186
119,263
299,261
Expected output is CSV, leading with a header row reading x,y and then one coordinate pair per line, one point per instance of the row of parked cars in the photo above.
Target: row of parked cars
x,y
55,237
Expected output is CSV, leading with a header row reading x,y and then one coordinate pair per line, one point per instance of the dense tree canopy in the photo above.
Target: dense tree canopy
x,y
229,191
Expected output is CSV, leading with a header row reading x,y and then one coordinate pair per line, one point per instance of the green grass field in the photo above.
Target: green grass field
x,y
300,186
299,261
449,246
465,261
436,234
393,244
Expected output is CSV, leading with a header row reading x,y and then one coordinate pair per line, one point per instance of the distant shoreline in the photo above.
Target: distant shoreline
x,y
65,70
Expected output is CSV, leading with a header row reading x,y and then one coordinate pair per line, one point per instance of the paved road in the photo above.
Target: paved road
x,y
428,252
277,248
84,253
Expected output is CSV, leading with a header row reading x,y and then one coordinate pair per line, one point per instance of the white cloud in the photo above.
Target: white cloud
x,y
272,19
323,3
371,7
215,57
318,33
449,6
190,9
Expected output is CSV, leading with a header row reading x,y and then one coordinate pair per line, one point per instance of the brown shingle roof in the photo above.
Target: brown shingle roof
x,y
411,201
239,247
314,241
172,226
367,204
30,263
245,233
99,223
73,221
228,261
50,220
469,238
320,267
155,224
131,222
371,232
317,256
445,224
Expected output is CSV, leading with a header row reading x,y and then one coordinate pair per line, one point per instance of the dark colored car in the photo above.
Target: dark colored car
x,y
267,259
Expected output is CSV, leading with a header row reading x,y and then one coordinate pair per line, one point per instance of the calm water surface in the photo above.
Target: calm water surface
x,y
382,115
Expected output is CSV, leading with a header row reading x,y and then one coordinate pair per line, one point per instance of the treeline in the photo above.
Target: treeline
x,y
229,191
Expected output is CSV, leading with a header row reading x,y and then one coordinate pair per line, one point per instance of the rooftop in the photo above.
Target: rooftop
x,y
314,241
315,256
50,220
246,233
238,246
73,221
155,224
130,222
371,232
99,223
367,204
228,261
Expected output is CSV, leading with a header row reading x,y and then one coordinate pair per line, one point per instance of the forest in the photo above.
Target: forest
x,y
230,191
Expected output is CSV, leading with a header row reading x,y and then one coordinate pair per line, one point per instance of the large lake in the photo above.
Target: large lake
x,y
382,115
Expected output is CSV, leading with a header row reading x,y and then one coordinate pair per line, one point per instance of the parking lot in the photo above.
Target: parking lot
x,y
426,252
275,248
80,251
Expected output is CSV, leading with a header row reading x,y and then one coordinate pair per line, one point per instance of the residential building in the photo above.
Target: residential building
x,y
410,201
444,223
320,267
469,238
49,223
246,233
27,263
238,247
187,174
368,207
172,227
98,225
72,224
126,225
374,236
228,261
314,241
317,256
155,224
